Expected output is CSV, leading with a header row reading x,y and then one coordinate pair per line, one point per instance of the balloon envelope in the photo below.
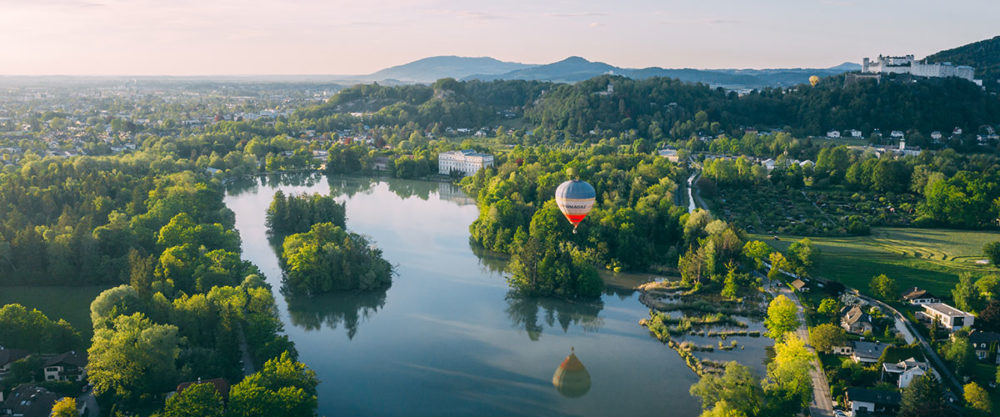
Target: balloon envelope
x,y
814,80
575,199
571,378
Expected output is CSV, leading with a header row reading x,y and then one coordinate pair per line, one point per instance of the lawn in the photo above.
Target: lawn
x,y
928,258
70,303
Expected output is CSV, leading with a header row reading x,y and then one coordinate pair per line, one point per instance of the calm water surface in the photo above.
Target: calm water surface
x,y
446,339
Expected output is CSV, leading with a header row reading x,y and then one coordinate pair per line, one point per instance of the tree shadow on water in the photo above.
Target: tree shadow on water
x,y
344,309
534,313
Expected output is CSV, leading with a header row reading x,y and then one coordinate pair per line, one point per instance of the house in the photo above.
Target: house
x,y
950,317
936,135
9,356
869,401
833,134
221,385
905,371
855,133
856,321
867,352
69,366
896,134
768,163
919,296
29,401
985,344
799,285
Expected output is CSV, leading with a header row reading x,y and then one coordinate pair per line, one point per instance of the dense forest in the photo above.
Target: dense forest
x,y
297,214
664,108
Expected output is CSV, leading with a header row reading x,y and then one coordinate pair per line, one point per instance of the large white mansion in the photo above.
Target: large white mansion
x,y
908,65
465,161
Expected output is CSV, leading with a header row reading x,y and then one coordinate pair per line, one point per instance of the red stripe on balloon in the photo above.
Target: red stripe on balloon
x,y
575,218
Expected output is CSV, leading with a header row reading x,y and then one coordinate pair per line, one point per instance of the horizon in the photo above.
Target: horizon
x,y
119,38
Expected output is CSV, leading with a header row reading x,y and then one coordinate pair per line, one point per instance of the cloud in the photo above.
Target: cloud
x,y
571,15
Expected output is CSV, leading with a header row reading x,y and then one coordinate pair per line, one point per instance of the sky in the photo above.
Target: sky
x,y
229,37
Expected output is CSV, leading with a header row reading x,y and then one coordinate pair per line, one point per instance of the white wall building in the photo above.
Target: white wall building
x,y
950,317
467,162
908,65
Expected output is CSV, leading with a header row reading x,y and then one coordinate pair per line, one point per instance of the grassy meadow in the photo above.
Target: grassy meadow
x,y
928,258
70,303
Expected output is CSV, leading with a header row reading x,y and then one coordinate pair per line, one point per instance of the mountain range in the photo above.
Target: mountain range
x,y
574,69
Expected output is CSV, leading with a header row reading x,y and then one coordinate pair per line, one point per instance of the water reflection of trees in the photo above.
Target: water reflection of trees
x,y
335,310
409,188
242,184
490,261
350,186
532,313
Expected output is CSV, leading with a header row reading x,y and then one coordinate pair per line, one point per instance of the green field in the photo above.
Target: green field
x,y
928,258
70,303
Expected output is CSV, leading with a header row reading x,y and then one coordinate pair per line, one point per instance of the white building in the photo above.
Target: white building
x,y
833,134
908,65
855,133
670,154
467,162
904,372
950,317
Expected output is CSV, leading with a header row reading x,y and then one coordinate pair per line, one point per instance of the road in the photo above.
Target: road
x,y
248,367
939,365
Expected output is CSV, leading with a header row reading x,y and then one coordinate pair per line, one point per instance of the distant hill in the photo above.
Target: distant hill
x,y
575,69
984,56
437,67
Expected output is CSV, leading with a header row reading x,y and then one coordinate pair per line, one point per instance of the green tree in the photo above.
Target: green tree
x,y
735,389
65,407
197,400
781,317
757,251
966,295
729,287
788,373
282,387
778,264
825,336
829,306
960,353
977,398
804,253
992,252
924,397
884,287
133,356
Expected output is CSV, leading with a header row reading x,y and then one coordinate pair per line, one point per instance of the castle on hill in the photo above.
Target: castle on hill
x,y
908,65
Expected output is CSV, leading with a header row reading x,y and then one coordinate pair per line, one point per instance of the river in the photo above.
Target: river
x,y
446,339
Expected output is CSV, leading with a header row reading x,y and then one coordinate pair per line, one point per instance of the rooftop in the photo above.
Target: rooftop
x,y
873,396
869,349
945,309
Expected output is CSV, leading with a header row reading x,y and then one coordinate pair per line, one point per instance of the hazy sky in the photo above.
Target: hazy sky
x,y
203,37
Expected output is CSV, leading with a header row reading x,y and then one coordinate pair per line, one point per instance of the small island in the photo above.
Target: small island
x,y
324,257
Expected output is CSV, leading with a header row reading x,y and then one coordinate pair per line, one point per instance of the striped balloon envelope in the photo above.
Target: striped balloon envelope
x,y
575,199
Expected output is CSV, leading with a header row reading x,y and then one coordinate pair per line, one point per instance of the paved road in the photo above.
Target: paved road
x,y
248,367
939,364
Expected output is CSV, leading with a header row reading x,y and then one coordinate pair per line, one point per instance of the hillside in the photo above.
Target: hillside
x,y
984,56
434,68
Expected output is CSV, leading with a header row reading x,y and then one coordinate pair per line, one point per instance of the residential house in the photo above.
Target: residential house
x,y
856,321
865,401
904,371
985,344
919,296
868,352
936,135
833,134
799,285
9,356
896,134
29,401
69,366
855,133
950,317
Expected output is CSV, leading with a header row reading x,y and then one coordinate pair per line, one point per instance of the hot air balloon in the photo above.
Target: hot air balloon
x,y
575,199
571,378
814,80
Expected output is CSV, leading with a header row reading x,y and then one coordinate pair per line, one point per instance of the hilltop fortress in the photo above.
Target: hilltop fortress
x,y
908,65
